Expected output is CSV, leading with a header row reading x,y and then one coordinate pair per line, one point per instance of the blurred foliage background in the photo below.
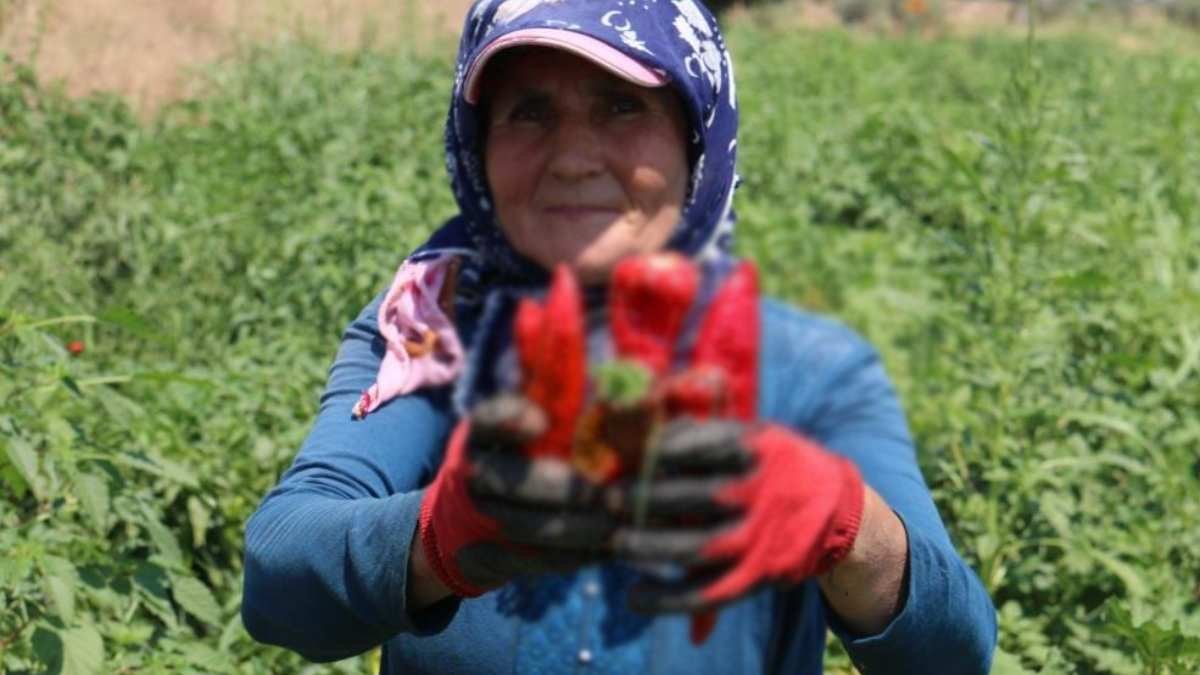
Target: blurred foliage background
x,y
1015,222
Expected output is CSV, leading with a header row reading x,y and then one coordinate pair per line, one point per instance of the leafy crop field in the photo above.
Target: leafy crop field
x,y
1016,225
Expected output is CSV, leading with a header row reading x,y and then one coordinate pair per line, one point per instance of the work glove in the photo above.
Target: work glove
x,y
739,506
649,305
494,513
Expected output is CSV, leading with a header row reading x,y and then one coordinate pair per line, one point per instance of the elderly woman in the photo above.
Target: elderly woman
x,y
583,133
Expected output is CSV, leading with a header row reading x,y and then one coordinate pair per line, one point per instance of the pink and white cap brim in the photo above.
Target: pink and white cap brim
x,y
596,51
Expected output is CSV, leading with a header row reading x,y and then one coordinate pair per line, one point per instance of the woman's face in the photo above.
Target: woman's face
x,y
584,167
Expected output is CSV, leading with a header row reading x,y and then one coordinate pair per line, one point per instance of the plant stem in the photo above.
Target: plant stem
x,y
641,504
5,642
75,318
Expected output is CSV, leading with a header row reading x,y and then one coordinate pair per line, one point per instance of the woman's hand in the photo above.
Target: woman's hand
x,y
492,514
742,506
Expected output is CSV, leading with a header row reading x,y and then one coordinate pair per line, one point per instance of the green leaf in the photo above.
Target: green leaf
x,y
622,382
172,377
48,649
59,580
1109,422
151,583
131,633
200,517
72,385
83,651
93,495
164,540
195,599
131,322
1091,462
232,631
1130,577
176,472
1004,663
25,460
163,468
17,484
14,568
1153,641
200,655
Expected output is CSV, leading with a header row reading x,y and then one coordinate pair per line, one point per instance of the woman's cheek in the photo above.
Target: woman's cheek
x,y
510,173
658,163
656,186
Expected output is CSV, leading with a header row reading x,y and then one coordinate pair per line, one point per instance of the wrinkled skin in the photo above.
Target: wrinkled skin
x,y
584,168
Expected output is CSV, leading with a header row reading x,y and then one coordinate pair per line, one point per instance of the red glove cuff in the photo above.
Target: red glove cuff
x,y
449,520
843,529
802,508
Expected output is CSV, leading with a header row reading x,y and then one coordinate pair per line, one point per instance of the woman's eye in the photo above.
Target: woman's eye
x,y
626,105
529,111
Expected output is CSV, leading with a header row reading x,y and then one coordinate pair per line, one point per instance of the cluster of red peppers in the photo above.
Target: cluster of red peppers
x,y
650,302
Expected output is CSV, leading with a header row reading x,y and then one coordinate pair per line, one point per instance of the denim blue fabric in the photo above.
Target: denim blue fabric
x,y
327,550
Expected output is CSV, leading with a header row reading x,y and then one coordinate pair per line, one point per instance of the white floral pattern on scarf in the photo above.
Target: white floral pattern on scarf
x,y
707,57
510,10
617,21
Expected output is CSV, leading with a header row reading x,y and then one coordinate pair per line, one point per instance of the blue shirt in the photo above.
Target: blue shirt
x,y
327,550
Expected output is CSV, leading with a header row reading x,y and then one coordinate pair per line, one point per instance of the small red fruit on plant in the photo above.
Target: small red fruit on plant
x,y
75,347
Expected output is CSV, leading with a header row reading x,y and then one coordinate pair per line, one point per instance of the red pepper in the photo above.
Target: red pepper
x,y
552,350
701,393
728,339
648,303
728,343
702,626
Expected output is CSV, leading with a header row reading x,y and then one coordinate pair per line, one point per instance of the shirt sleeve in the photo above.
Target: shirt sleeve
x,y
847,403
326,557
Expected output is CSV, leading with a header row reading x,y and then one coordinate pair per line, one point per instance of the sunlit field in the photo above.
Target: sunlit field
x,y
1015,223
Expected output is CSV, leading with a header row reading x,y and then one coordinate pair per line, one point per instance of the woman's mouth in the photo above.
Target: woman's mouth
x,y
581,212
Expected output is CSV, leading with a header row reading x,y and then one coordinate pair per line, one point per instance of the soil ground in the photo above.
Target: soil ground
x,y
145,49
148,50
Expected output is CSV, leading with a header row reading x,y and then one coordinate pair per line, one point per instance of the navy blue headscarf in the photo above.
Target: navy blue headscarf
x,y
677,37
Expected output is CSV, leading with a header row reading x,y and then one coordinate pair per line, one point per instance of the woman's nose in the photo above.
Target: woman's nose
x,y
576,151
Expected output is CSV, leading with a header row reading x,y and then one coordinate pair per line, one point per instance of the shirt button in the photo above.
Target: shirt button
x,y
591,589
585,656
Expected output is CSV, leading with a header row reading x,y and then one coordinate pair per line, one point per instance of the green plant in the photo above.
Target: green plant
x,y
1162,646
1013,224
1010,228
180,254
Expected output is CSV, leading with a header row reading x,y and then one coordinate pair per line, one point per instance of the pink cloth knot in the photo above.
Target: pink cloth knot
x,y
422,346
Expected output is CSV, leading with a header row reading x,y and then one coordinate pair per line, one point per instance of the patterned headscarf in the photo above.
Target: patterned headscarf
x,y
679,38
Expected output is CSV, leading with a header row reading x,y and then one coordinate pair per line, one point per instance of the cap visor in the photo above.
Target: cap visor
x,y
585,46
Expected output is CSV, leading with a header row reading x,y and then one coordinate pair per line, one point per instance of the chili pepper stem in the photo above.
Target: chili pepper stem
x,y
641,502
